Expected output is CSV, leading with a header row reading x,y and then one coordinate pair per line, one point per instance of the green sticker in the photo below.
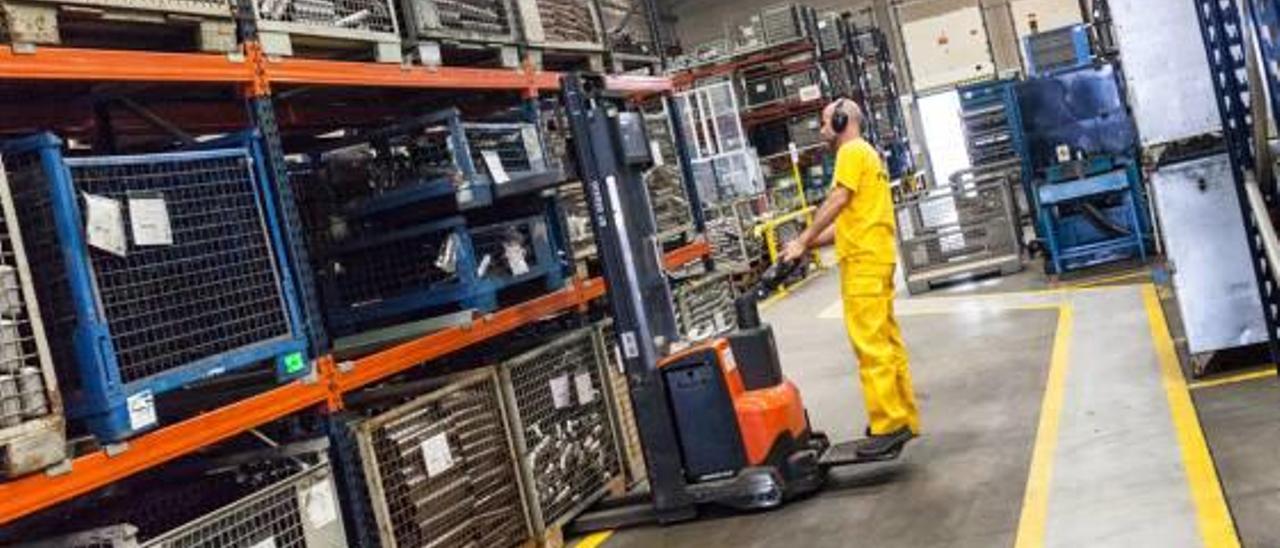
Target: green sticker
x,y
293,363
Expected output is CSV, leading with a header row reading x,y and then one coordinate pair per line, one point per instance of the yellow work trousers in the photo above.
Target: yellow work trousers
x,y
867,291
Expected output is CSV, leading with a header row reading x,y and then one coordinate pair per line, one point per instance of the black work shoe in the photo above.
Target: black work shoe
x,y
884,445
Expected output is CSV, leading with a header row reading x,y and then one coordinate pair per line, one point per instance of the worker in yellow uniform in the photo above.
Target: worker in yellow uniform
x,y
858,217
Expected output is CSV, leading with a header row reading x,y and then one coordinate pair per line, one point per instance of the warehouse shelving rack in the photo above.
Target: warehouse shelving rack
x,y
253,75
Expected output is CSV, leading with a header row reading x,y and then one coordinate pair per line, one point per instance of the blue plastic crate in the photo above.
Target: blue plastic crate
x,y
217,296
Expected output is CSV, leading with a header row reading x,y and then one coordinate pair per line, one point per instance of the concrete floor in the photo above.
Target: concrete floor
x,y
1115,463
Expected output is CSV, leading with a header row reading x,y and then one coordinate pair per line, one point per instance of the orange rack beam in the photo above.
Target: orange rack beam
x,y
125,66
31,493
346,73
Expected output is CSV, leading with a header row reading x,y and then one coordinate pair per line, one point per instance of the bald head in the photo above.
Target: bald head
x,y
851,130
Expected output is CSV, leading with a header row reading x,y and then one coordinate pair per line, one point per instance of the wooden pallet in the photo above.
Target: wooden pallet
x,y
565,59
120,24
380,49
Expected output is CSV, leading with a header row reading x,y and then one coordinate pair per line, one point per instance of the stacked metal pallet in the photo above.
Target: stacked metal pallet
x,y
31,421
626,23
435,470
733,244
785,23
288,27
560,419
886,125
197,286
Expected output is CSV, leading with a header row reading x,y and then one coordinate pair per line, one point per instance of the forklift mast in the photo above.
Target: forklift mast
x,y
613,152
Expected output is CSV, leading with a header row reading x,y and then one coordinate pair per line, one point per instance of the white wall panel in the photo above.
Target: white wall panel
x,y
948,49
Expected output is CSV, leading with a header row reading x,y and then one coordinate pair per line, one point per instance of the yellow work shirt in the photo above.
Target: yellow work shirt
x,y
865,227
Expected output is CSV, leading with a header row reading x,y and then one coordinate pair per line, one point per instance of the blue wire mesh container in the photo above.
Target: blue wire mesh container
x,y
154,271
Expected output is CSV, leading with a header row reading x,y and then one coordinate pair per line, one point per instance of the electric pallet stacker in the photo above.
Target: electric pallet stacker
x,y
718,420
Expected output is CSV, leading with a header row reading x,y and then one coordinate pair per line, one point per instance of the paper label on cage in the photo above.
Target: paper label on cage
x,y
760,88
104,224
629,347
561,395
514,253
436,452
586,392
810,92
149,220
142,410
269,542
494,164
655,150
822,24
322,507
532,144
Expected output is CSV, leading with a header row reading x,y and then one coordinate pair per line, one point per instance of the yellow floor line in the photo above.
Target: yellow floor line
x,y
1243,376
1213,518
1035,501
1103,279
594,540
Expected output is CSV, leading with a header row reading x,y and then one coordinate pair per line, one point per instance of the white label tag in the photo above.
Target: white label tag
x,y
514,253
655,150
629,347
560,395
532,145
586,392
269,542
142,410
822,24
494,164
760,88
748,31
149,220
322,508
437,454
104,224
810,92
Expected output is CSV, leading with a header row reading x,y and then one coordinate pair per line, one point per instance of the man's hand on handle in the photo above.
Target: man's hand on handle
x,y
794,251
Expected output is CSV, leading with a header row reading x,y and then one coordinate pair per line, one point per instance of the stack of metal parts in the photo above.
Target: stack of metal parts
x,y
281,502
749,35
31,422
784,24
284,23
571,24
573,202
729,231
965,229
471,20
704,306
516,251
627,24
560,419
671,208
990,115
624,413
197,287
436,470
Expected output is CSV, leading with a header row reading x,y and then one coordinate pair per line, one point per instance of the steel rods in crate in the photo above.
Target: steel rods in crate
x,y
287,26
704,307
31,422
285,503
560,420
154,271
628,431
437,470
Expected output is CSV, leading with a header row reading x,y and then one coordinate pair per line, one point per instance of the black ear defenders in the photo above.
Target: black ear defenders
x,y
839,118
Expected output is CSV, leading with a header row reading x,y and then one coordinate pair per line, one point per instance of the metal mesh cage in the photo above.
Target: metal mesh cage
x,y
840,73
562,22
624,413
461,19
384,267
626,22
792,86
704,307
439,469
214,287
339,18
563,430
281,503
27,388
513,251
805,131
732,242
783,24
828,27
970,223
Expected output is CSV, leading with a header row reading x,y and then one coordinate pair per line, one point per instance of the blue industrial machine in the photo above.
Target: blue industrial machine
x,y
1080,168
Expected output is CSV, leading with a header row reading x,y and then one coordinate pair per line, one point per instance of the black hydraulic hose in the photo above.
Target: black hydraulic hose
x,y
1101,222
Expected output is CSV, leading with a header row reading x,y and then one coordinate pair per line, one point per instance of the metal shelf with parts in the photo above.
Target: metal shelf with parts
x,y
88,472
